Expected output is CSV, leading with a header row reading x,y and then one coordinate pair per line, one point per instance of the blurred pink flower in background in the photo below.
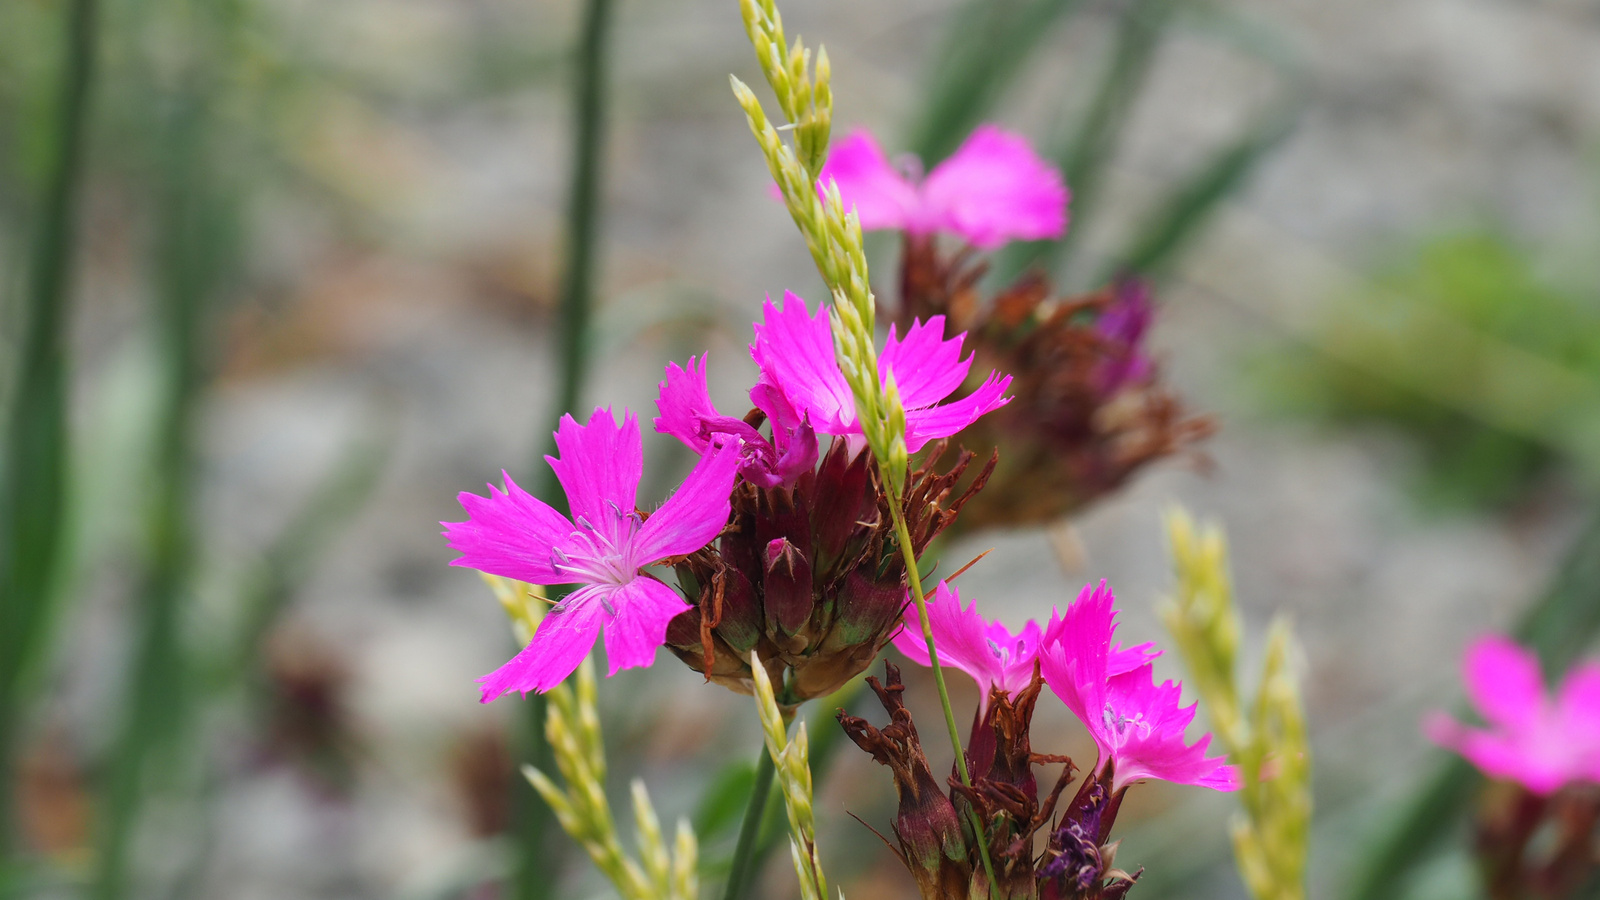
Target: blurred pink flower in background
x,y
801,378
603,546
1137,725
1541,742
993,189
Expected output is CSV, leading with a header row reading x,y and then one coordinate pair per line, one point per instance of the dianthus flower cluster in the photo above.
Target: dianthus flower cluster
x,y
787,556
1138,727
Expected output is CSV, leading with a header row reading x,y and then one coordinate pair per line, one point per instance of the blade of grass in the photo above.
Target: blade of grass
x,y
34,491
1559,627
286,563
539,857
986,44
751,851
192,252
1082,157
1164,234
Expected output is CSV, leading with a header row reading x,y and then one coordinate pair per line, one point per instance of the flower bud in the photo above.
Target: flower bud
x,y
932,842
787,586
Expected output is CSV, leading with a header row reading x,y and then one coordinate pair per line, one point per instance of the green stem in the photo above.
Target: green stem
x,y
583,210
745,851
34,467
192,254
538,859
914,579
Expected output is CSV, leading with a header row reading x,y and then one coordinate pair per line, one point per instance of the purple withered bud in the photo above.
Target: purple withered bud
x,y
1077,863
787,586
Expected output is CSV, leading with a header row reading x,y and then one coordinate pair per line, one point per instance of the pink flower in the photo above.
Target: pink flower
x,y
991,190
801,379
602,548
1137,725
1543,743
989,651
688,415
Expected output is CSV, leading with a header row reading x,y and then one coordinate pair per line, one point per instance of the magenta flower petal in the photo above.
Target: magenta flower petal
x,y
599,467
684,402
1137,726
561,642
1504,682
1145,723
1120,661
1540,743
993,189
1578,705
602,549
959,633
934,422
927,368
510,533
868,183
696,512
795,352
987,651
644,607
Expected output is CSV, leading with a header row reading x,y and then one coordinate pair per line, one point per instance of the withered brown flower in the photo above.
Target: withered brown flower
x,y
1088,407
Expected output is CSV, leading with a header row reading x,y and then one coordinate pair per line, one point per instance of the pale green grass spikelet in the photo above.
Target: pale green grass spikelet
x,y
573,728
524,604
792,765
1269,745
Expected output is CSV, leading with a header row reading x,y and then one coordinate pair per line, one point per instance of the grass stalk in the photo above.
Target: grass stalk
x,y
34,468
192,250
914,579
747,853
538,859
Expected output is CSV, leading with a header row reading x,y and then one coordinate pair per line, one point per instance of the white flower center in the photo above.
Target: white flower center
x,y
1119,724
591,557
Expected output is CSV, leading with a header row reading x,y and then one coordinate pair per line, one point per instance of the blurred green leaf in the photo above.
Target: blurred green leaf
x,y
33,473
1086,150
986,44
1167,232
1475,352
723,801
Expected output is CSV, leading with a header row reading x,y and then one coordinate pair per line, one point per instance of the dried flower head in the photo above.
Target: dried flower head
x,y
809,576
1089,408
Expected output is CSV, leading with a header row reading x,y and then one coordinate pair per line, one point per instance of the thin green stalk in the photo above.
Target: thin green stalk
x,y
189,267
539,857
34,467
583,206
745,852
1084,157
914,579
